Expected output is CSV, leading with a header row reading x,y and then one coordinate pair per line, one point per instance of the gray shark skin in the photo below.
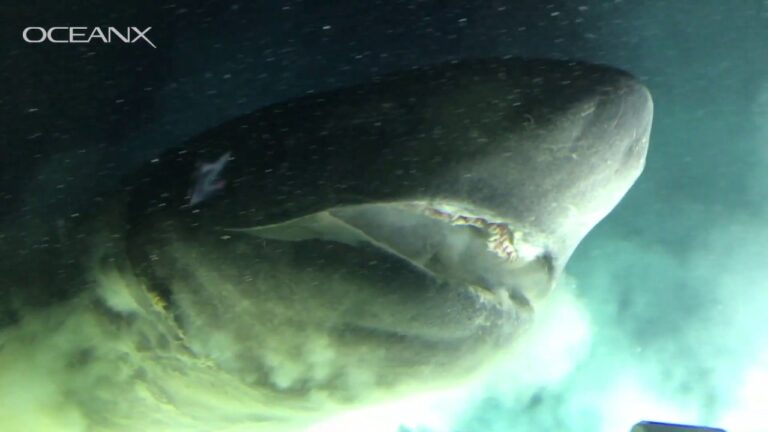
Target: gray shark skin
x,y
362,244
553,145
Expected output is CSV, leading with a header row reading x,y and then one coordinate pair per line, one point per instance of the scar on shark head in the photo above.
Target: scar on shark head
x,y
206,180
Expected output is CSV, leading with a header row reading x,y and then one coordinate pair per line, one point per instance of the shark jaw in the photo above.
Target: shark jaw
x,y
355,303
445,239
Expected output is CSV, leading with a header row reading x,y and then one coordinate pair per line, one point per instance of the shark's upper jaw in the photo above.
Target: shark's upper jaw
x,y
558,177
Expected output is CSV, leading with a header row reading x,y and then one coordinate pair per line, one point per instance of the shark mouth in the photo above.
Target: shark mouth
x,y
448,240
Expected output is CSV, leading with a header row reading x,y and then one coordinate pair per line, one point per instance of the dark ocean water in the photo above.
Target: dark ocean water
x,y
671,288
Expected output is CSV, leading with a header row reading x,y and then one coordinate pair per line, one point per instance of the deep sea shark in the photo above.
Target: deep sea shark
x,y
332,251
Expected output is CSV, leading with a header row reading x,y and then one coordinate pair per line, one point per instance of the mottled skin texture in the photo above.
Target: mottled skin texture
x,y
344,256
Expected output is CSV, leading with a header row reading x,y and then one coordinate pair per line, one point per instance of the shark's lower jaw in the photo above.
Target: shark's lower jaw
x,y
352,302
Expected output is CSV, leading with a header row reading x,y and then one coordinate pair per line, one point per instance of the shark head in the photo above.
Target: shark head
x,y
386,237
